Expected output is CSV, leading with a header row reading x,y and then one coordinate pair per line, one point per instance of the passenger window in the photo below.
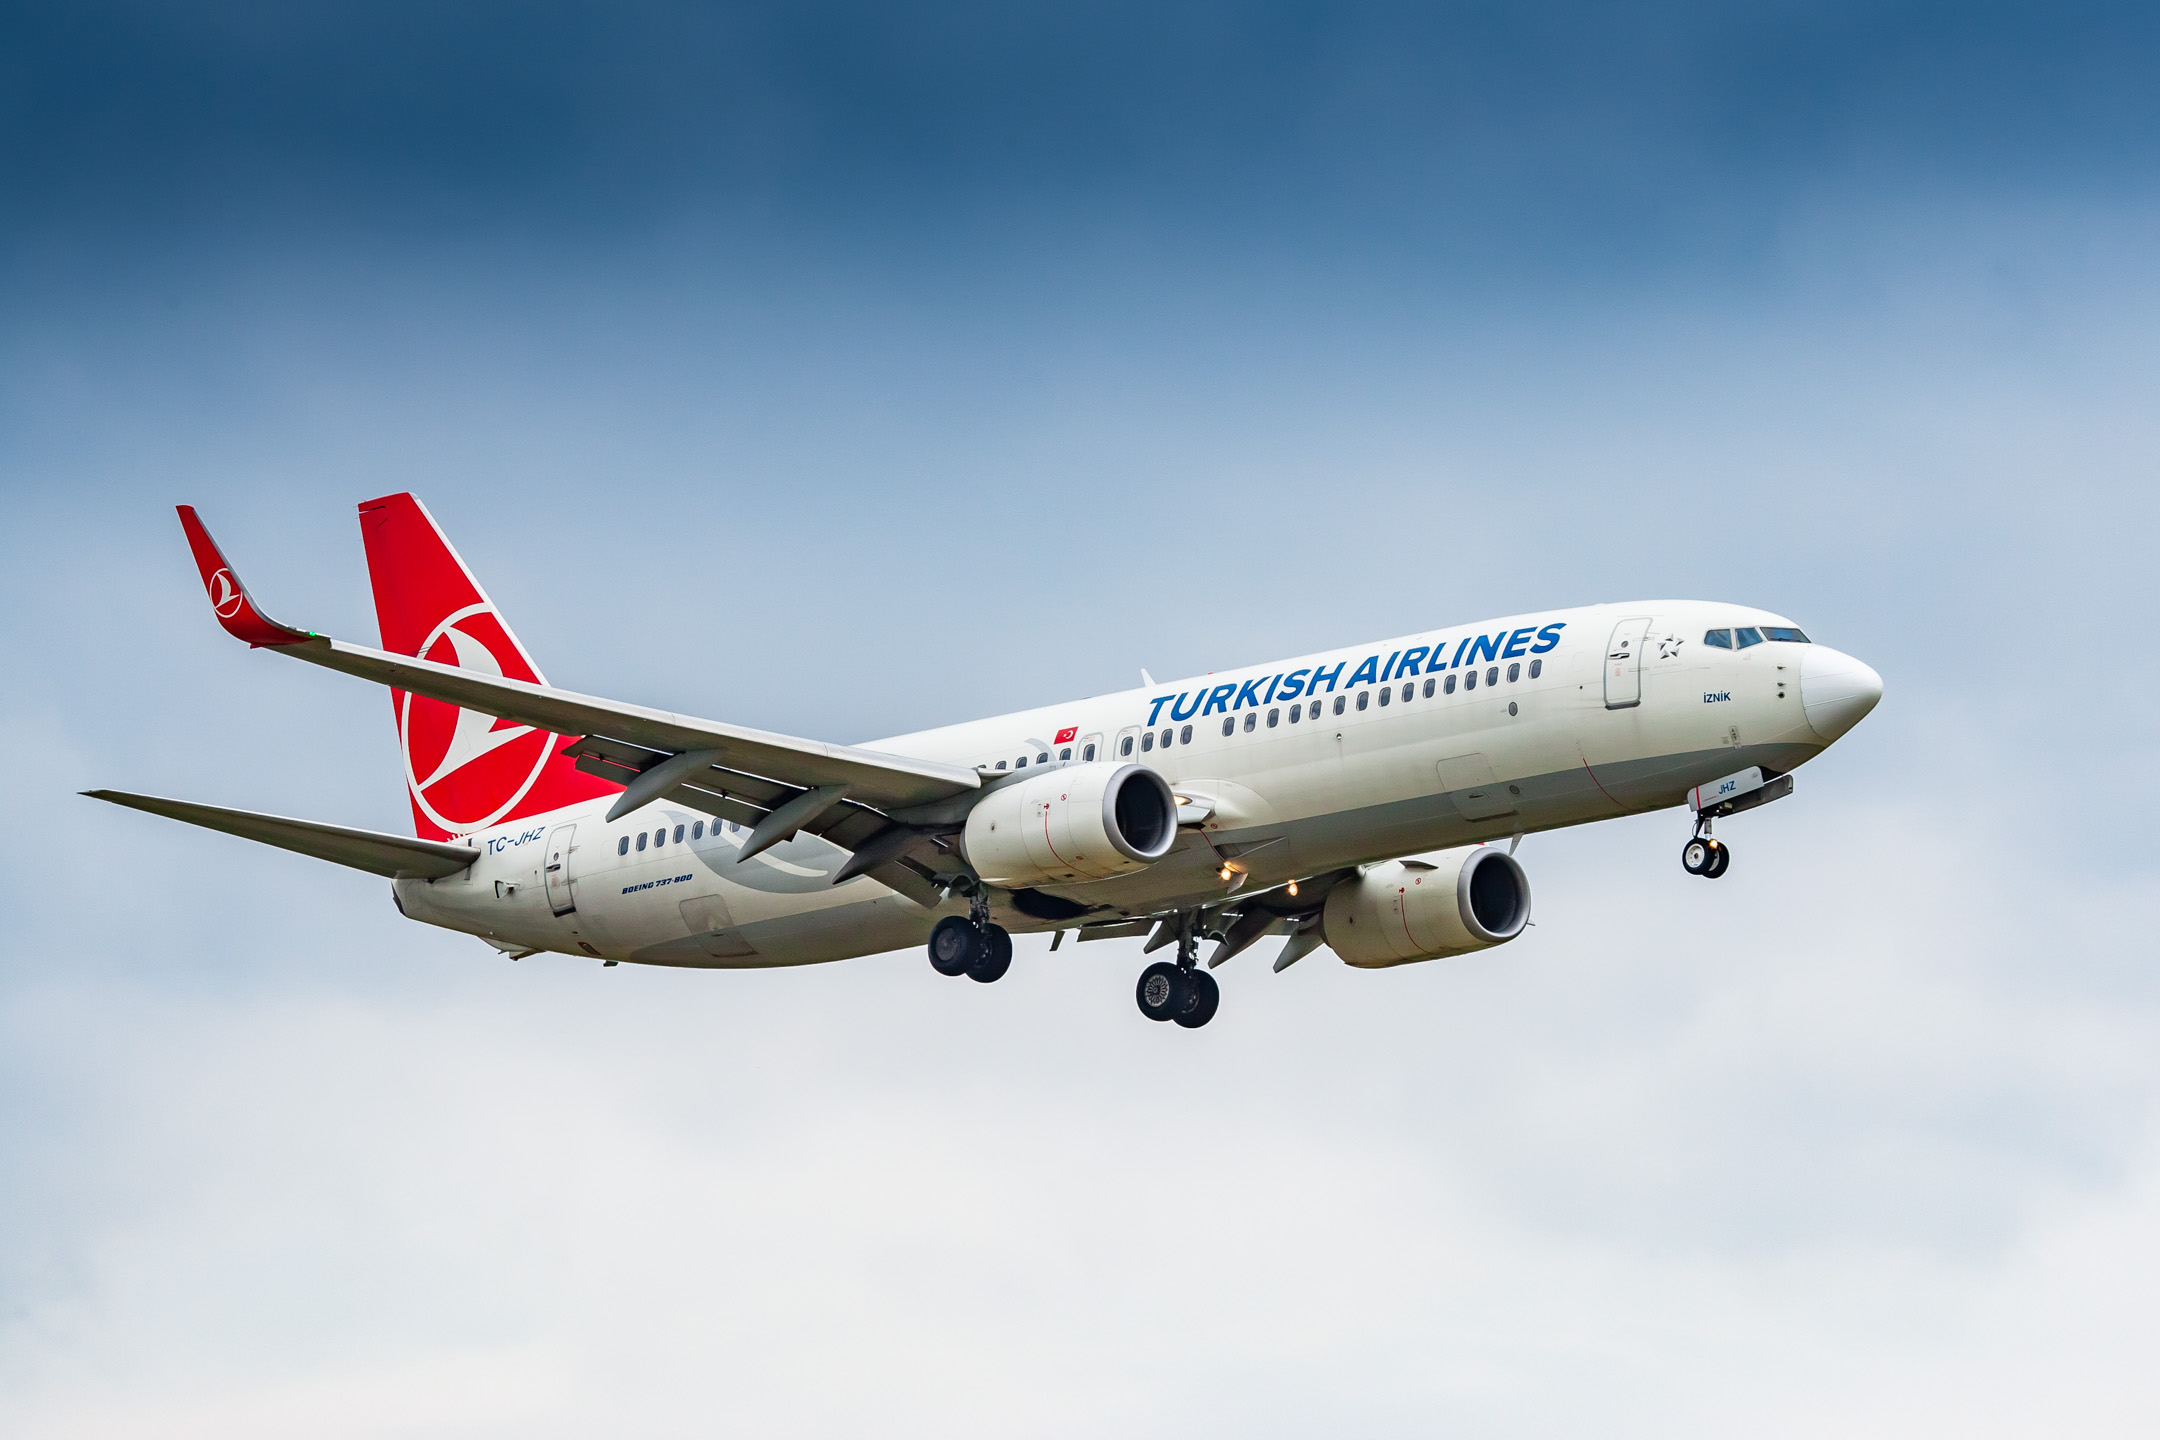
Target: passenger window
x,y
1066,753
1745,636
622,846
1409,691
1043,758
1228,725
1784,632
1340,702
1450,686
1166,739
1469,679
1124,746
1514,672
659,837
1364,698
1314,712
1088,753
1147,741
1428,687
641,839
1387,693
1274,717
678,834
1721,639
1492,676
1001,764
1185,736
1297,713
1021,763
697,831
1537,668
1252,718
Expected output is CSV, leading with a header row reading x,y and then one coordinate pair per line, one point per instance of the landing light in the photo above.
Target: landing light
x,y
1293,889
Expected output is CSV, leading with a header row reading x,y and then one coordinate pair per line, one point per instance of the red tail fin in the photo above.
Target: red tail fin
x,y
466,771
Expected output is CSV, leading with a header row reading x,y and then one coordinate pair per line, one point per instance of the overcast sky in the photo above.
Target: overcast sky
x,y
844,370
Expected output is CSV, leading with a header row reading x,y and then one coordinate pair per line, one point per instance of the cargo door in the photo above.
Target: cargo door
x,y
560,900
1623,663
709,920
1471,788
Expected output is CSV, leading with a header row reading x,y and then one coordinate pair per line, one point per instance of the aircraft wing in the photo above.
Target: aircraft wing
x,y
394,856
866,777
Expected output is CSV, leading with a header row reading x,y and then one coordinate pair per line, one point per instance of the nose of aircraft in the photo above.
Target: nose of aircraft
x,y
1836,690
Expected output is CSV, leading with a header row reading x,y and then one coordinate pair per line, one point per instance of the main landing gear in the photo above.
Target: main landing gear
x,y
1181,991
1704,856
970,945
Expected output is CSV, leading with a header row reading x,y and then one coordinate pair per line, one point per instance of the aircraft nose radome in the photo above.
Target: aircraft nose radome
x,y
1836,690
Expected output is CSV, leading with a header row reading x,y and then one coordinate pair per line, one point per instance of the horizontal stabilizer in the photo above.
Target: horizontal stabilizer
x,y
395,856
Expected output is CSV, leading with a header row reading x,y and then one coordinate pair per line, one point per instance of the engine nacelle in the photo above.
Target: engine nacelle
x,y
1077,822
1444,904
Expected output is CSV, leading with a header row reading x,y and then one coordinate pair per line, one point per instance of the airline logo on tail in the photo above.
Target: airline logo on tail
x,y
466,771
442,744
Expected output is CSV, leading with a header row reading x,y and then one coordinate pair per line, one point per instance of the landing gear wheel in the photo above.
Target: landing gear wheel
x,y
1206,995
956,945
1697,855
1720,860
994,957
1164,992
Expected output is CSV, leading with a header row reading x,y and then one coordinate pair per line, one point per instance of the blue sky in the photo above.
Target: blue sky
x,y
846,371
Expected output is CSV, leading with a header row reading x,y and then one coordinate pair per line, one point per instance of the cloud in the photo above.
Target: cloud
x,y
1570,135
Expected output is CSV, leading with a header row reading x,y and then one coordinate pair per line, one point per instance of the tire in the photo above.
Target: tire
x,y
1206,995
1720,861
1162,992
1698,855
995,956
954,945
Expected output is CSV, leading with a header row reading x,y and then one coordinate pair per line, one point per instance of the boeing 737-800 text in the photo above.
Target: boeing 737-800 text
x,y
1347,800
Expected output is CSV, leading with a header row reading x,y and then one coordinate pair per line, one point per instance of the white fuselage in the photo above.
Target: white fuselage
x,y
1628,709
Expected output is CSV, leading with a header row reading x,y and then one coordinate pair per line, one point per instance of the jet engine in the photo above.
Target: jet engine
x,y
1447,903
1075,822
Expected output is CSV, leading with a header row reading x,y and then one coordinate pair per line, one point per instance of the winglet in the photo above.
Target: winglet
x,y
229,598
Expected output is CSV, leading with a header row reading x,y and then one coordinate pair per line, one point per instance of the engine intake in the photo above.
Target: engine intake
x,y
1448,903
1076,822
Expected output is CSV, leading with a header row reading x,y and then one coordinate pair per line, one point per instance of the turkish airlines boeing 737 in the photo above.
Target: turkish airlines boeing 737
x,y
1346,800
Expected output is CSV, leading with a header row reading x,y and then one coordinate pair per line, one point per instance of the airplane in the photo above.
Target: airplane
x,y
1353,800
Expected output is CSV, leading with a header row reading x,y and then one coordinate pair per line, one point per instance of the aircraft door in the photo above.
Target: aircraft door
x,y
1090,747
560,900
1127,746
1623,663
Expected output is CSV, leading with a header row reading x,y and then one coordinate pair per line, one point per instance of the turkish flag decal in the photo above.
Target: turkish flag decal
x,y
1067,735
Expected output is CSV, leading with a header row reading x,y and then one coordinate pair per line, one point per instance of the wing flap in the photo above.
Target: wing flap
x,y
392,856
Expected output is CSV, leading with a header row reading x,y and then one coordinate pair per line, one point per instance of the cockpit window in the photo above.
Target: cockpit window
x,y
1720,638
1785,633
1746,635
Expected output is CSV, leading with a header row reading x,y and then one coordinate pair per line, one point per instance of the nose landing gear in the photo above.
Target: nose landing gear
x,y
1704,856
1180,992
970,945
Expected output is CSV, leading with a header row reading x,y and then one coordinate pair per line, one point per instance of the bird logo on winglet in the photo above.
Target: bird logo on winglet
x,y
225,596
